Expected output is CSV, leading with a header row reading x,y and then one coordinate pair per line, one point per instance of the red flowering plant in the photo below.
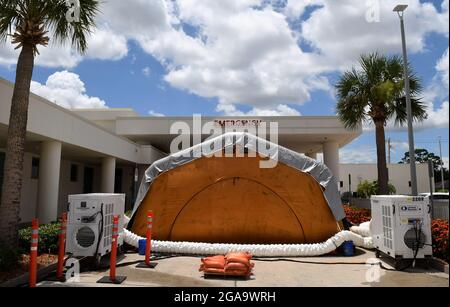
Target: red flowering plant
x,y
439,231
357,215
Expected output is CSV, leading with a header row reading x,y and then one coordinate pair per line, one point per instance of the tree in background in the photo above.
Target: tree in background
x,y
375,92
368,188
32,23
423,156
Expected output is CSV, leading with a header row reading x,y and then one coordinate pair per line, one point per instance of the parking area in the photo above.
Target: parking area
x,y
326,271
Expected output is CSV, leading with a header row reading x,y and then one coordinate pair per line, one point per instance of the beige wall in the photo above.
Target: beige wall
x,y
68,187
29,194
48,121
29,191
398,176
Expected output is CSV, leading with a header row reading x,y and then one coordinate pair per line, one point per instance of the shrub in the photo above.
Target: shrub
x,y
439,230
357,215
48,238
8,257
366,188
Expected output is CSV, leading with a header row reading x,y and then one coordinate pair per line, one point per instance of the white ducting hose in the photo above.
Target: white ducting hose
x,y
258,250
363,229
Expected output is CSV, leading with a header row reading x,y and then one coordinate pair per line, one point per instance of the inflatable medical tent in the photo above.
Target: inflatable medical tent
x,y
197,196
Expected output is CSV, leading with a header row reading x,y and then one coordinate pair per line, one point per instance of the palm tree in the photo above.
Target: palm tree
x,y
375,92
28,22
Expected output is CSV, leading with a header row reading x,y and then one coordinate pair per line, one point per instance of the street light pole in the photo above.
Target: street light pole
x,y
412,158
442,164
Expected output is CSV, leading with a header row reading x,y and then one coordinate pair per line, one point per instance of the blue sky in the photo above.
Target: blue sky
x,y
247,57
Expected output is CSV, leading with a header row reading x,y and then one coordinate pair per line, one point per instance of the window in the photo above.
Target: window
x,y
341,183
73,173
409,183
118,181
35,168
88,183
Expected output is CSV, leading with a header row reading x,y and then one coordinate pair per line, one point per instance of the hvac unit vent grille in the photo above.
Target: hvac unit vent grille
x,y
107,230
415,240
85,237
387,226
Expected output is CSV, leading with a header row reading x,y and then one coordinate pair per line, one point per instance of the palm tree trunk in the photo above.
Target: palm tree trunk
x,y
383,176
15,148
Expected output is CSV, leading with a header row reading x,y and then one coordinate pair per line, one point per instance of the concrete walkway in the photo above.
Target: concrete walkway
x,y
183,272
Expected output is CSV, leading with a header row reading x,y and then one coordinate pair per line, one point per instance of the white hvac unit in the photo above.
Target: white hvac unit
x,y
89,223
401,226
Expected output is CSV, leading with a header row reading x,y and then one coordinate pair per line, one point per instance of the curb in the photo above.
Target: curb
x,y
439,265
23,279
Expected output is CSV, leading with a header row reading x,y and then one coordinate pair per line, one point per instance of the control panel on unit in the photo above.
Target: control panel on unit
x,y
411,213
84,211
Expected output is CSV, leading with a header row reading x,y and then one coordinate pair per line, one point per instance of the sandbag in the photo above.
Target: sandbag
x,y
234,255
233,264
214,262
237,266
214,271
238,273
240,257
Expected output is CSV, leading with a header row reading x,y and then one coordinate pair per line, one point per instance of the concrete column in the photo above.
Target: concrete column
x,y
108,174
48,188
312,155
331,157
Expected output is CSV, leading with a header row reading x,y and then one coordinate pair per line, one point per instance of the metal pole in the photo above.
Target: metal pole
x,y
431,176
350,188
412,158
442,164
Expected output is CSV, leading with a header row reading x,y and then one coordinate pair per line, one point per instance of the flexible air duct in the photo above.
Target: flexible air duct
x,y
258,250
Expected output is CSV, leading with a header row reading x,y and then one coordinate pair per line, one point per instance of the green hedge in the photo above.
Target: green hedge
x,y
48,238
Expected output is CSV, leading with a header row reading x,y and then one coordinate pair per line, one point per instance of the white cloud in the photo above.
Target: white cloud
x,y
360,154
436,94
398,146
341,32
295,8
247,51
146,71
442,68
53,56
67,90
280,110
104,44
156,114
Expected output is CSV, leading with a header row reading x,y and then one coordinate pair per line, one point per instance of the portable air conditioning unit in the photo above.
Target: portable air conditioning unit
x,y
401,226
89,223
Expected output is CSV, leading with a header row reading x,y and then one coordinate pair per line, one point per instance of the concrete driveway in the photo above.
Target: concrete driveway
x,y
183,272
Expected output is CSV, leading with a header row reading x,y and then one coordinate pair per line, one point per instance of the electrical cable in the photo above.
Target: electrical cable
x,y
330,263
100,229
416,245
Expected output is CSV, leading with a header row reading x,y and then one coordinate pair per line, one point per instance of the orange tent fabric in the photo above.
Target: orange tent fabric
x,y
233,200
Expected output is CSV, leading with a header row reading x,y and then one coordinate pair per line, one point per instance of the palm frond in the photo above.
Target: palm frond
x,y
39,17
377,90
9,17
352,98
